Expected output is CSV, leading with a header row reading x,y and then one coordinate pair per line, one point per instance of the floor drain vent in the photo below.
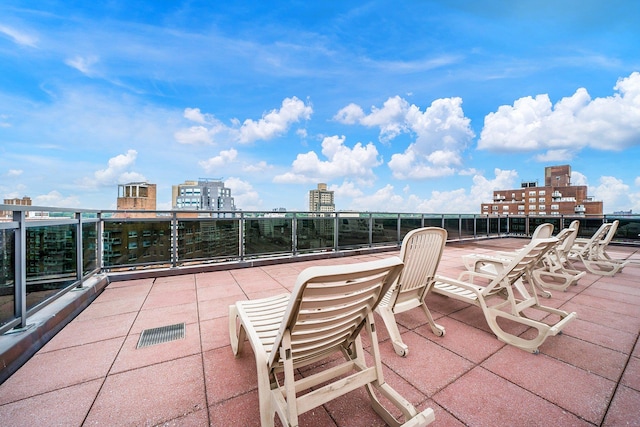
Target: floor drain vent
x,y
159,335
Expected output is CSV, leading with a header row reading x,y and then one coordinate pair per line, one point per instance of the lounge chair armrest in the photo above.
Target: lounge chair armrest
x,y
476,274
459,283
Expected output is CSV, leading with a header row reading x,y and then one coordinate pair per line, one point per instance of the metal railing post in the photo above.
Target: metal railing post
x,y
294,234
21,268
79,250
174,240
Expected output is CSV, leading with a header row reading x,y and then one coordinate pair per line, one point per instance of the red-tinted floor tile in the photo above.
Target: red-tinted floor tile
x,y
64,407
62,368
624,409
481,398
587,395
471,343
423,367
151,395
131,357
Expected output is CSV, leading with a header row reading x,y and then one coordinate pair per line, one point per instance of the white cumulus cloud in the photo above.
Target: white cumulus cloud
x,y
209,130
573,123
356,163
244,195
442,133
118,171
225,157
276,122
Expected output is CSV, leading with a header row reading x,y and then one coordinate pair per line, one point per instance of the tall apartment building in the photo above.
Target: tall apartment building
x,y
321,199
136,196
556,197
25,201
205,194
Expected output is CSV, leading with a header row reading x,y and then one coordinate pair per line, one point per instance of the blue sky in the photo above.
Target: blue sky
x,y
403,106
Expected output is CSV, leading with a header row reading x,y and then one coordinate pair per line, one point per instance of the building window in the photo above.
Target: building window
x,y
495,208
505,208
555,207
532,193
542,207
542,193
541,200
532,200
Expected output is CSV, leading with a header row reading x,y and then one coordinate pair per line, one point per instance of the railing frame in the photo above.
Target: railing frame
x,y
20,224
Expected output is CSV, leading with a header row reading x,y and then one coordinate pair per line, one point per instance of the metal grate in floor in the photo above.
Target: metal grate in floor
x,y
162,334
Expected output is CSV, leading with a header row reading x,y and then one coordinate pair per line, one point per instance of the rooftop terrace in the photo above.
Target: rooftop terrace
x,y
91,372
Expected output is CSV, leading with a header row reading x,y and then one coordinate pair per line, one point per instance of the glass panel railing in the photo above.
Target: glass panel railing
x,y
89,247
518,226
208,239
384,230
353,231
588,226
482,226
136,242
433,221
7,276
536,221
315,233
628,229
409,223
51,261
467,225
452,225
497,226
268,236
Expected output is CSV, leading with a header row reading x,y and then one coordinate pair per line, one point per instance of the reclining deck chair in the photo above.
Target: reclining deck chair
x,y
593,252
543,231
325,314
556,272
421,252
552,272
498,299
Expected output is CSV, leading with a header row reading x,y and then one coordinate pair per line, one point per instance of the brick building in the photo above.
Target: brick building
x,y
556,197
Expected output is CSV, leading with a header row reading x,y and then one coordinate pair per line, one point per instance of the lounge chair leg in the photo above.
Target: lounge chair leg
x,y
438,330
236,334
389,319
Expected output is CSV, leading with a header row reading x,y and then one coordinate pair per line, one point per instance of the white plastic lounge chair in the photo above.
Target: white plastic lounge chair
x,y
543,231
506,297
325,314
421,252
593,252
555,271
552,272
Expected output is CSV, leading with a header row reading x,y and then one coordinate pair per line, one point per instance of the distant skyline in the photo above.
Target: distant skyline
x,y
403,106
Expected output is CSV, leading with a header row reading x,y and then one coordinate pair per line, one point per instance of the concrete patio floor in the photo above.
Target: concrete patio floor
x,y
91,373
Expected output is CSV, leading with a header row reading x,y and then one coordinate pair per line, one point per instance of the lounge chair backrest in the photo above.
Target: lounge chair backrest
x,y
525,260
611,233
564,236
597,238
329,306
542,231
421,252
565,247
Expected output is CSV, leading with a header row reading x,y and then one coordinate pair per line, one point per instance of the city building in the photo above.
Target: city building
x,y
136,196
204,194
321,199
25,201
556,197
